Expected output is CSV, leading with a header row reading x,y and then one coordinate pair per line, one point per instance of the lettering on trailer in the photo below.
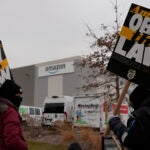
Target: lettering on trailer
x,y
88,106
131,56
4,68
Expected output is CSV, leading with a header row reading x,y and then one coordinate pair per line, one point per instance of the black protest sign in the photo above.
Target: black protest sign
x,y
131,56
4,67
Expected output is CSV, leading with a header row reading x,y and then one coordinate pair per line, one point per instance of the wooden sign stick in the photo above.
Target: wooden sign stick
x,y
116,142
117,108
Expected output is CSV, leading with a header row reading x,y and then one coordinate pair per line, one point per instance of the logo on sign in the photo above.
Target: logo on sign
x,y
131,74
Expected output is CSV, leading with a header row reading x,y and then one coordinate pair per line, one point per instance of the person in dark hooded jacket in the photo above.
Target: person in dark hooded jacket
x,y
136,135
11,134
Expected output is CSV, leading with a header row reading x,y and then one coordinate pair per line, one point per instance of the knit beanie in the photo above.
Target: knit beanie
x,y
138,96
8,90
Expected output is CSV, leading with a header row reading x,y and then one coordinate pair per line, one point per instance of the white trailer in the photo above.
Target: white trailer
x,y
57,108
87,111
90,111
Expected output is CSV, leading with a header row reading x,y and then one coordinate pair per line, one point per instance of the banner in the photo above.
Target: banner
x,y
4,67
131,56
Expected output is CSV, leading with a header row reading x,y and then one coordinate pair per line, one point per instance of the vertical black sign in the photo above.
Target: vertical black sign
x,y
131,56
4,67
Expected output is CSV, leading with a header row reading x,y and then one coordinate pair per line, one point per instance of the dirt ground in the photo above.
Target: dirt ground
x,y
46,135
64,133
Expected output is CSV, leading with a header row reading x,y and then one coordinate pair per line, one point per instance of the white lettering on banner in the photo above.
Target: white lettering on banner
x,y
5,74
147,56
132,50
137,51
119,46
137,22
1,56
145,28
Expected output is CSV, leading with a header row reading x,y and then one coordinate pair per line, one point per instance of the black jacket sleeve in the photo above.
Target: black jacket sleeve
x,y
118,128
137,134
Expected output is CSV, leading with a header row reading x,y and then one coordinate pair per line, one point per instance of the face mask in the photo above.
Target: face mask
x,y
17,101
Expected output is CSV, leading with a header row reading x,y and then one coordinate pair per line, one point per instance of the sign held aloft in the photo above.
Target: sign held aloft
x,y
131,56
4,67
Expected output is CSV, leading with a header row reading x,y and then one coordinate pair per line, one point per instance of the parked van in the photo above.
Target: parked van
x,y
57,108
30,111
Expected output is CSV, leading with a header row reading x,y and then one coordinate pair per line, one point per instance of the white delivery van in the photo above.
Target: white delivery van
x,y
57,108
30,111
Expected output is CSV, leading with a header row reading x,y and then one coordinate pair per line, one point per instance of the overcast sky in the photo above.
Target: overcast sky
x,y
35,31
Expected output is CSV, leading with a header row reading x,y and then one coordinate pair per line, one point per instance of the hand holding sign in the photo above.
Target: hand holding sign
x,y
131,56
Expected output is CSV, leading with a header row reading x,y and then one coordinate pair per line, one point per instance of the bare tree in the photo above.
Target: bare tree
x,y
94,65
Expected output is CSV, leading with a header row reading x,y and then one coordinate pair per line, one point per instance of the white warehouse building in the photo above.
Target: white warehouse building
x,y
53,78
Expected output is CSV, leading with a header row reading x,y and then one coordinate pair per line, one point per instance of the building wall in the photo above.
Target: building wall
x,y
38,82
40,88
24,77
72,83
55,85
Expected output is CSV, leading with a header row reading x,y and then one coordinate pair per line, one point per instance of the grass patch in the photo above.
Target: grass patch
x,y
45,146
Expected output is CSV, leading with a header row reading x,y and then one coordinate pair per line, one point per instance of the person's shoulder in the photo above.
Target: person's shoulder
x,y
3,107
142,111
11,114
12,110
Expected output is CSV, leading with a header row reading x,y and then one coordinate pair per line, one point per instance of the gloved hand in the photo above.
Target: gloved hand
x,y
110,116
117,127
113,121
